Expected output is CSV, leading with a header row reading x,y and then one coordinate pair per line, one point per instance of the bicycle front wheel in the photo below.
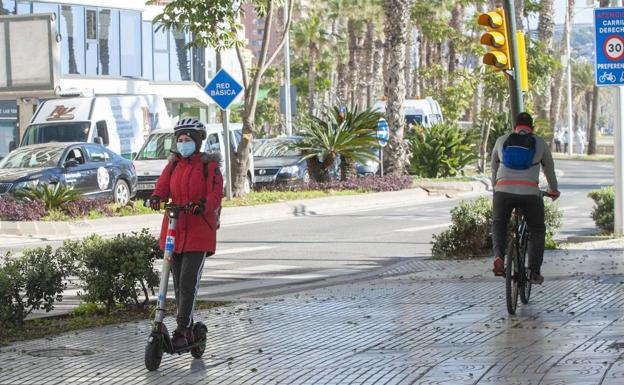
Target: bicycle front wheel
x,y
511,277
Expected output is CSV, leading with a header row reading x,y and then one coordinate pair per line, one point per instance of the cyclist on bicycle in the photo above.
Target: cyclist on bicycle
x,y
516,160
190,176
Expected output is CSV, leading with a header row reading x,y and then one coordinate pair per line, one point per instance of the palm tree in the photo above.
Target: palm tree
x,y
397,14
355,120
326,140
310,32
583,88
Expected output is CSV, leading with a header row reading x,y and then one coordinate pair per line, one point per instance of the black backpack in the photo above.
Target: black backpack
x,y
519,151
205,161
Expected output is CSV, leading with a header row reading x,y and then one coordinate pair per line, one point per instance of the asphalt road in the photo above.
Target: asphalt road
x,y
263,258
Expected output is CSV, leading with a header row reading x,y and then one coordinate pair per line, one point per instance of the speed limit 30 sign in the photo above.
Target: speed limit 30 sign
x,y
609,32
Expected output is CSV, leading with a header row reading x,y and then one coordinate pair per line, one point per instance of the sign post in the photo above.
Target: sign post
x,y
383,134
609,71
224,89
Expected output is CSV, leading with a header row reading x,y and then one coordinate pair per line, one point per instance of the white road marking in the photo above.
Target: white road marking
x,y
421,228
239,250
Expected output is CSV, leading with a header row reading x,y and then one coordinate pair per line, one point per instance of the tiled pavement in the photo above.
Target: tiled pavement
x,y
435,323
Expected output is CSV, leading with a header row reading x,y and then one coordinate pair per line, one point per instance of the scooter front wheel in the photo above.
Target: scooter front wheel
x,y
153,352
199,332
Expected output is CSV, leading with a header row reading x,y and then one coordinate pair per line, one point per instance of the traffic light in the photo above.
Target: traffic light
x,y
496,39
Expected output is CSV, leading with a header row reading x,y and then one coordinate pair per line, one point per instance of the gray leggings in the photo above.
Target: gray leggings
x,y
187,269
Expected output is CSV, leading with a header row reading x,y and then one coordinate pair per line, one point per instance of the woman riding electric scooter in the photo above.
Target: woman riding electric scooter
x,y
189,177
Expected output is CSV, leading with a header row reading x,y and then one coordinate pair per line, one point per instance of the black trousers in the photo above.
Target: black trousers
x,y
532,207
187,269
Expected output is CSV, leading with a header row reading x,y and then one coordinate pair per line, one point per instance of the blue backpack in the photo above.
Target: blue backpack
x,y
518,151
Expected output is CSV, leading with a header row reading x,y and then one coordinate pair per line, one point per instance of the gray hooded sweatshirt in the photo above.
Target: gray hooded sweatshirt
x,y
523,182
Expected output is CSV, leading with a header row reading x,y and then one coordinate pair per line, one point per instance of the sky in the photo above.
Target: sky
x,y
583,11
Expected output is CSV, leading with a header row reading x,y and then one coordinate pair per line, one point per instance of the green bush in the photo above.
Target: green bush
x,y
33,281
604,208
115,270
441,151
53,196
470,234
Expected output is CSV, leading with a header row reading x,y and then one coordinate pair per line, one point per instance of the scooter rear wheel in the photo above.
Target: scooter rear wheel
x,y
199,331
153,353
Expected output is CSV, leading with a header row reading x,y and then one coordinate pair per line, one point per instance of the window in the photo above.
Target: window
x,y
102,132
91,24
23,8
91,61
7,7
148,70
180,57
108,33
212,144
75,154
256,43
259,32
72,43
161,54
130,24
96,154
258,21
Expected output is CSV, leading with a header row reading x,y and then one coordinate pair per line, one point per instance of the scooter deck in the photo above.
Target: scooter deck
x,y
186,349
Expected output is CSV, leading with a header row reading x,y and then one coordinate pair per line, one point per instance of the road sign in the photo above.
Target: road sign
x,y
383,132
223,89
609,37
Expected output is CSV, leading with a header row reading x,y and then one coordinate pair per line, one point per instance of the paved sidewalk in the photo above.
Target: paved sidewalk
x,y
419,322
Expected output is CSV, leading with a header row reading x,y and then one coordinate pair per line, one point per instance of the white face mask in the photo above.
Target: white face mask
x,y
186,149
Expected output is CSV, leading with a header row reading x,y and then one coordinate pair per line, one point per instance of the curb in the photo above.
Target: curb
x,y
232,216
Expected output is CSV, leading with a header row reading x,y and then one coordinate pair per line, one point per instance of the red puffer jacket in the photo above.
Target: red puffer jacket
x,y
187,183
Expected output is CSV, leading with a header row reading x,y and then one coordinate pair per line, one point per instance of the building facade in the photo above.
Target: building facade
x,y
113,47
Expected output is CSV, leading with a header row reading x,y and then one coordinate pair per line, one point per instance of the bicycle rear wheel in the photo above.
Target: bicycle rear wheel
x,y
511,277
524,276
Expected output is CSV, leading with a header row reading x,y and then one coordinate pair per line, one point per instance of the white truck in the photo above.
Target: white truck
x,y
153,156
425,112
119,122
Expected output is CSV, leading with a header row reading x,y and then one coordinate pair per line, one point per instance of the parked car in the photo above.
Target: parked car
x,y
153,156
89,168
274,162
370,167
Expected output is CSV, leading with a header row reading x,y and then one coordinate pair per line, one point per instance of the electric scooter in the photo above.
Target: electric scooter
x,y
159,340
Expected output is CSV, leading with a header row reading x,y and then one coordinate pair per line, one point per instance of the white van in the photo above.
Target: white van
x,y
425,112
119,122
153,156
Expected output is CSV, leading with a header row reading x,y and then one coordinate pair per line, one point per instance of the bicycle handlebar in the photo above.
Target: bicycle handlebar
x,y
547,194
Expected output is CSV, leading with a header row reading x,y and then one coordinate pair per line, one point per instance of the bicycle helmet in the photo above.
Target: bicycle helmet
x,y
191,127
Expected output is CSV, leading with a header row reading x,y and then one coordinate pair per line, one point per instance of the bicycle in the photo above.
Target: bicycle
x,y
517,265
606,77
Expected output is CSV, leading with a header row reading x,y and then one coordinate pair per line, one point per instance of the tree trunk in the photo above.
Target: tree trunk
x,y
353,62
369,62
347,168
317,172
558,84
342,87
311,77
457,16
593,122
408,62
377,72
519,11
396,28
545,32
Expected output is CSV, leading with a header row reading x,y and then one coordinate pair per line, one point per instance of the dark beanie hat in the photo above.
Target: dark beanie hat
x,y
524,119
194,134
